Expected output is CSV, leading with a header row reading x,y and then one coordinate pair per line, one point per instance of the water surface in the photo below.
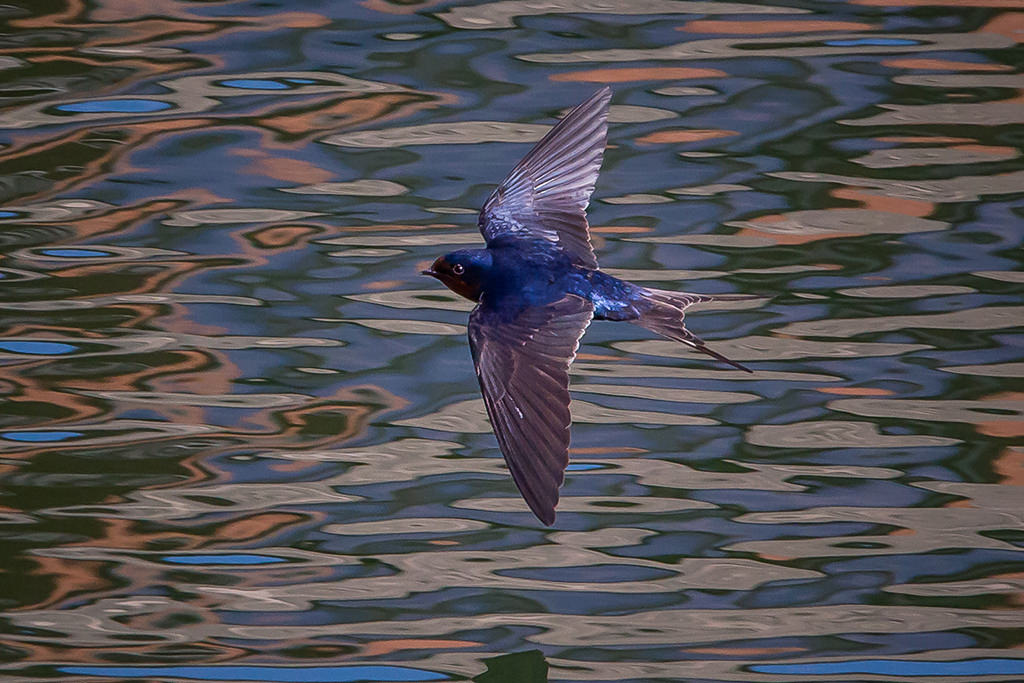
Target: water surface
x,y
241,437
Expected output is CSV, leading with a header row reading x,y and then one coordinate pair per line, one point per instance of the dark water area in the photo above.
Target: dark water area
x,y
241,438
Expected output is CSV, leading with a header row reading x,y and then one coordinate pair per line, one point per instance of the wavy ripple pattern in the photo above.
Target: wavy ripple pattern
x,y
241,438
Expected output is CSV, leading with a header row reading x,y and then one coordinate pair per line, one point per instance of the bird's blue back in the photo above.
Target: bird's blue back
x,y
517,274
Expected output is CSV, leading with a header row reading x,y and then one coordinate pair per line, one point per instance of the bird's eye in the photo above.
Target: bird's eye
x,y
458,269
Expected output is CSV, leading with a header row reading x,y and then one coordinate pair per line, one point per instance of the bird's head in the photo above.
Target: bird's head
x,y
462,271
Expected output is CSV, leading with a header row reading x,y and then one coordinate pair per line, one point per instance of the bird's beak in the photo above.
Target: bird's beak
x,y
430,271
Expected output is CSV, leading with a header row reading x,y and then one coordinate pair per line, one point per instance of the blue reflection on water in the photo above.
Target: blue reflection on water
x,y
128,106
223,559
39,437
36,348
254,84
893,667
74,253
584,466
853,42
282,674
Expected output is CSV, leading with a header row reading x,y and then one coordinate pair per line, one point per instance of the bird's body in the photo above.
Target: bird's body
x,y
537,287
520,273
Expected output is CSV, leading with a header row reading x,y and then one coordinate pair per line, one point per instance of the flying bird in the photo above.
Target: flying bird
x,y
537,286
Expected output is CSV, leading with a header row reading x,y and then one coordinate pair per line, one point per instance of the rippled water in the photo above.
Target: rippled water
x,y
241,436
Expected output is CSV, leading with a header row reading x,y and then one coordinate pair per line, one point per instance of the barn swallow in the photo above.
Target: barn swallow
x,y
537,286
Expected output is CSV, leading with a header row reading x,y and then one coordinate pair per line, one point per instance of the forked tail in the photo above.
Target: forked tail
x,y
665,316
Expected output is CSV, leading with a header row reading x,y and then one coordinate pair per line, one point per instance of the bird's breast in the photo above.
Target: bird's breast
x,y
471,291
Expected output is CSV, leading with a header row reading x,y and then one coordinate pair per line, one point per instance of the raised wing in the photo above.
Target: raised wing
x,y
546,194
523,367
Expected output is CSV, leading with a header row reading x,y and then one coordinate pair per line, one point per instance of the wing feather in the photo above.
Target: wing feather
x,y
523,368
546,195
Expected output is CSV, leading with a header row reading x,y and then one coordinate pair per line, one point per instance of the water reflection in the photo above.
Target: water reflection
x,y
192,95
238,438
501,14
838,434
826,44
959,189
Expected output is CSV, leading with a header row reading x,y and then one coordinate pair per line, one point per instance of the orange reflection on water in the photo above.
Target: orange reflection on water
x,y
280,236
69,578
250,528
125,10
386,647
927,139
282,168
1006,429
311,119
381,285
77,574
877,202
130,29
399,6
28,390
994,150
677,136
1010,466
1009,24
30,151
744,651
942,65
125,534
122,218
